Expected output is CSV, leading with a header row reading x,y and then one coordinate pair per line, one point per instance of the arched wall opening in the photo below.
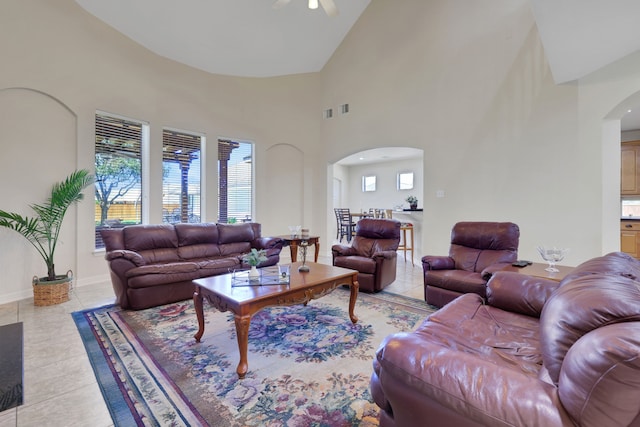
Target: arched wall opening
x,y
345,185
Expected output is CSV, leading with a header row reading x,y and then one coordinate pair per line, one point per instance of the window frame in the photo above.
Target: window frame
x,y
102,120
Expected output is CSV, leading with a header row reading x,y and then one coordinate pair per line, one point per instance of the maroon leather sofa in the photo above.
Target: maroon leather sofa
x,y
151,265
372,252
537,353
477,250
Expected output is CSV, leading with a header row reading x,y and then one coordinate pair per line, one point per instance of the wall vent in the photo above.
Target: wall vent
x,y
328,113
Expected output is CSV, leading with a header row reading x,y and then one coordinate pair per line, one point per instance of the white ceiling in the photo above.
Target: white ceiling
x,y
249,38
245,38
378,155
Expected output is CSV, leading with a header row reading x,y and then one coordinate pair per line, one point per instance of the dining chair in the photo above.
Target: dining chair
x,y
346,226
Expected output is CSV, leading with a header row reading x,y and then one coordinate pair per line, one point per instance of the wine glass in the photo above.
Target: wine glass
x,y
552,256
295,230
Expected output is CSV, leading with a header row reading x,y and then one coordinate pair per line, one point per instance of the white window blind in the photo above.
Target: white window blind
x,y
118,162
235,181
181,153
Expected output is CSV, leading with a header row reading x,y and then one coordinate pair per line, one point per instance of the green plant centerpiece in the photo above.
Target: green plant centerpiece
x,y
413,202
254,258
43,229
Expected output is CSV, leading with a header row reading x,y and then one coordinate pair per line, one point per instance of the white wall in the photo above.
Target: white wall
x,y
386,196
469,83
61,63
465,81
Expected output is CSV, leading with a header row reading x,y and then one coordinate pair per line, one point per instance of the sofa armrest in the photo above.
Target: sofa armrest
x,y
267,243
385,254
494,268
519,293
463,383
434,262
134,257
343,250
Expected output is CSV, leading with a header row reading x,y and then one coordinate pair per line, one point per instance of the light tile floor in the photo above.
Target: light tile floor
x,y
59,385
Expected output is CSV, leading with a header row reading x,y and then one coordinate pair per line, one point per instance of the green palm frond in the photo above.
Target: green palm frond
x,y
42,231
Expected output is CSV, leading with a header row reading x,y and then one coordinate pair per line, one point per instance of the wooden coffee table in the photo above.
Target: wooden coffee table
x,y
245,301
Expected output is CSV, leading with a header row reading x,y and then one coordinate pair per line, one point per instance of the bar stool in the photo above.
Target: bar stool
x,y
405,245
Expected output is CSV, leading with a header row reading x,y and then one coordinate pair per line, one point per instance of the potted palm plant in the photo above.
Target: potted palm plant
x,y
42,231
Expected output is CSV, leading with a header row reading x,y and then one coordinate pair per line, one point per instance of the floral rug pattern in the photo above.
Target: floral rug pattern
x,y
308,365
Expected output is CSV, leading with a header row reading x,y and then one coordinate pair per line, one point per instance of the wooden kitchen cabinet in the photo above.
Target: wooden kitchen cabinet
x,y
630,238
630,168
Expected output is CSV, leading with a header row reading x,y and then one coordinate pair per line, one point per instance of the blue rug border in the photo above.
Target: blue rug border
x,y
118,408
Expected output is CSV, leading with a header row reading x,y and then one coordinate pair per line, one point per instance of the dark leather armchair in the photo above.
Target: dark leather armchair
x,y
372,253
477,250
535,353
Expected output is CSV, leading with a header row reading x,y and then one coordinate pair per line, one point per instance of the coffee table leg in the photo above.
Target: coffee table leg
x,y
197,303
242,332
352,301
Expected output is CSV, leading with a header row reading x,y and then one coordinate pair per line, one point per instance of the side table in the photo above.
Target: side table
x,y
537,269
294,243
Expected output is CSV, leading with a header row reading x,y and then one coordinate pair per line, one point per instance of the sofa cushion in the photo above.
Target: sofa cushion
x,y
160,274
113,238
193,234
200,250
614,263
138,238
580,306
458,281
501,337
611,357
519,293
231,233
235,249
360,263
477,245
175,267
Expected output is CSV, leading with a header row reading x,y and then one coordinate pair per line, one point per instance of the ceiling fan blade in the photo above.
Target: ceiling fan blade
x,y
330,7
280,3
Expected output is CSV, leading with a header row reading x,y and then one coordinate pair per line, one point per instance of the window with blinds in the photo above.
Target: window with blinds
x,y
235,181
181,153
118,179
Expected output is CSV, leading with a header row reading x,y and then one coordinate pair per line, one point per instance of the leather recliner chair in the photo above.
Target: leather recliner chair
x,y
372,253
535,353
477,250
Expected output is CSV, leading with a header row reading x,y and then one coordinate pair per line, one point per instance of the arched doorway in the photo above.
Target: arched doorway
x,y
382,166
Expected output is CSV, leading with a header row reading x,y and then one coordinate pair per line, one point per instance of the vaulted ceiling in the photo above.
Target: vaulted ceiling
x,y
250,38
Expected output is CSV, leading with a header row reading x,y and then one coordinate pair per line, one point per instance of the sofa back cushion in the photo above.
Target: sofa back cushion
x,y
113,239
235,238
581,306
198,240
614,263
231,233
155,243
477,245
376,235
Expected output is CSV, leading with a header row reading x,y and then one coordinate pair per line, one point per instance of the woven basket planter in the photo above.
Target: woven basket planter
x,y
51,292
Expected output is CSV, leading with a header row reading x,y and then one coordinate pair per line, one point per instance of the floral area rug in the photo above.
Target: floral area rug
x,y
308,365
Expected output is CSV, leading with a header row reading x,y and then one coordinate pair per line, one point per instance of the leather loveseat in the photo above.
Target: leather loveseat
x,y
152,265
537,353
